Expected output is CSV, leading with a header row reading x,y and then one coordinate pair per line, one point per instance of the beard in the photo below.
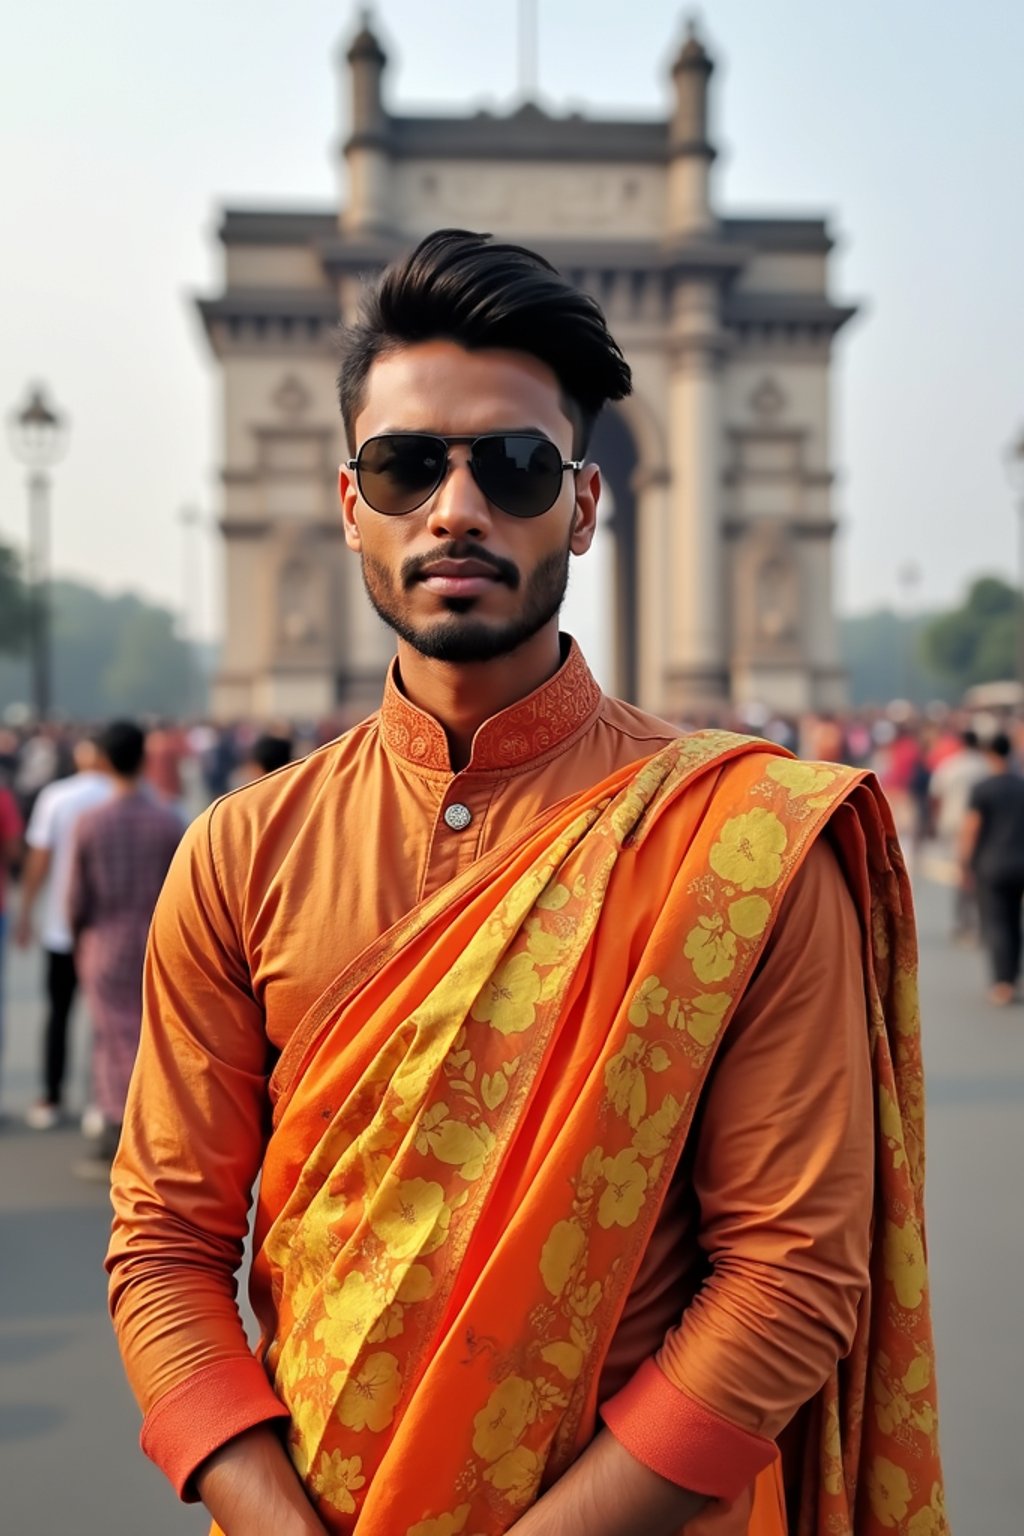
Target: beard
x,y
460,637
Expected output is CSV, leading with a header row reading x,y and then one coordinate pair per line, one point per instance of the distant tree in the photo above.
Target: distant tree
x,y
880,652
977,642
111,655
14,603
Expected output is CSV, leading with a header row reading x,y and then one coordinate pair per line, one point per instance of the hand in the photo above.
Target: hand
x,y
23,935
251,1488
607,1492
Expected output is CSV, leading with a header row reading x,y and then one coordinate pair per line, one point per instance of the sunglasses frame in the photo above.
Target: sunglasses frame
x,y
449,442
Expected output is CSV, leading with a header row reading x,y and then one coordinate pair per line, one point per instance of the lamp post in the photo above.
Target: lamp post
x,y
191,521
1015,468
38,436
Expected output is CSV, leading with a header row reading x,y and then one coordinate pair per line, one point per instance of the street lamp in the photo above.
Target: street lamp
x,y
39,437
1015,469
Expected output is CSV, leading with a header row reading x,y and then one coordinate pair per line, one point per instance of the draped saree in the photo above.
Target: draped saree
x,y
476,1124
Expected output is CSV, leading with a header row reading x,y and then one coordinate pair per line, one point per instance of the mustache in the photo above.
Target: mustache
x,y
418,566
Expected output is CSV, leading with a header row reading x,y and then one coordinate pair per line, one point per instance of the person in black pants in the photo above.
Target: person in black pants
x,y
992,857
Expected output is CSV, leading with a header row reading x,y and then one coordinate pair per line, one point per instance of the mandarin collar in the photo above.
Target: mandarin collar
x,y
528,729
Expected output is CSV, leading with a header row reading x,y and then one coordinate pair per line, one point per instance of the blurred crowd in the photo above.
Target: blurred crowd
x,y
90,818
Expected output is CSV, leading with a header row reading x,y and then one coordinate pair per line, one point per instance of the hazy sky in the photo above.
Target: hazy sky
x,y
124,127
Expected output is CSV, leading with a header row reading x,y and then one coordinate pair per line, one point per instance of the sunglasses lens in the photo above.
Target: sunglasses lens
x,y
398,472
522,475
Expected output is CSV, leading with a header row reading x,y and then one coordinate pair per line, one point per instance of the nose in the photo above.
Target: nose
x,y
459,509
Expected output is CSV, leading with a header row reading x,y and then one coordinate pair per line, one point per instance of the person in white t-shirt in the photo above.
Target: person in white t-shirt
x,y
50,838
949,791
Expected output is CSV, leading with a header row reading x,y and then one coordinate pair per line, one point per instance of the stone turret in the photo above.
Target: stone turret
x,y
690,152
367,150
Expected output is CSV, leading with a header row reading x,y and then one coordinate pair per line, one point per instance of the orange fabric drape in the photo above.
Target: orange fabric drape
x,y
476,1124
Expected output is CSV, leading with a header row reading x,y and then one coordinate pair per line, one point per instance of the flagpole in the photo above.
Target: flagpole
x,y
528,49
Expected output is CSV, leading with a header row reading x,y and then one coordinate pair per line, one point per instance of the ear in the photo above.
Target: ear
x,y
584,522
348,495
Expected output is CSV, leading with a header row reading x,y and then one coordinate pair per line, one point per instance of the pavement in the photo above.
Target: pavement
x,y
69,1460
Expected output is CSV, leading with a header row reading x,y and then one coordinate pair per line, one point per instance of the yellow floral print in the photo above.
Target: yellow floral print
x,y
410,1217
625,1076
800,778
352,1311
566,1358
650,998
503,1420
704,1020
654,1133
903,1257
442,1525
517,1475
466,1147
888,1491
308,1423
369,1397
337,1478
561,1254
625,1186
892,1126
711,949
749,916
509,998
749,850
930,1521
544,948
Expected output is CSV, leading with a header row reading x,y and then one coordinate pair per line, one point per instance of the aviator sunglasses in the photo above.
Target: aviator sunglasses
x,y
519,472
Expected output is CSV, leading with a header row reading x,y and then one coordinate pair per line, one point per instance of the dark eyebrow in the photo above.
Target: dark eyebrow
x,y
529,431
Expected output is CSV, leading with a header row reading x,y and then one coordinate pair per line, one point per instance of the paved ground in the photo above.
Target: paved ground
x,y
68,1427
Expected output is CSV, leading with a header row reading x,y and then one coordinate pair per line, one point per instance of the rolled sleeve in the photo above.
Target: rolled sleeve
x,y
191,1147
197,1417
683,1440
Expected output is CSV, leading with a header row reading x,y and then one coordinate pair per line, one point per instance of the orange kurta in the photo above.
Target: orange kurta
x,y
283,884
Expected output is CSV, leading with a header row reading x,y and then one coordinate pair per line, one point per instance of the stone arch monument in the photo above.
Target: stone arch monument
x,y
720,464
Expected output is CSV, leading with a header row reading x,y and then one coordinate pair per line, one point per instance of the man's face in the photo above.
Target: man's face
x,y
503,578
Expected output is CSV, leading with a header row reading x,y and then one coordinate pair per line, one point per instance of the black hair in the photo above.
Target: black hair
x,y
969,739
270,752
481,293
1000,745
123,744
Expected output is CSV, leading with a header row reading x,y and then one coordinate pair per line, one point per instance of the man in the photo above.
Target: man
x,y
50,837
544,1030
992,861
10,852
121,854
267,754
952,780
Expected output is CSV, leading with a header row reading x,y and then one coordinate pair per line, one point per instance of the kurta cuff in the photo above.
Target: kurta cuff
x,y
682,1439
198,1416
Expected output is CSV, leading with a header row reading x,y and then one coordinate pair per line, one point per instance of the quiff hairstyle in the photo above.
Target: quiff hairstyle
x,y
480,293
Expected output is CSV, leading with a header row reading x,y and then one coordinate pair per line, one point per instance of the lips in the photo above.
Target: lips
x,y
459,578
459,569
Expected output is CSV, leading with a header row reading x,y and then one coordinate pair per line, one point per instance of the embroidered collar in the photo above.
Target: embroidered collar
x,y
526,730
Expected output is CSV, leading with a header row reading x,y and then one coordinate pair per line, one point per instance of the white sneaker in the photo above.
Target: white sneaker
x,y
42,1116
93,1123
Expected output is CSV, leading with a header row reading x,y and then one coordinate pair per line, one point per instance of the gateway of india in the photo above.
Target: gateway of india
x,y
718,468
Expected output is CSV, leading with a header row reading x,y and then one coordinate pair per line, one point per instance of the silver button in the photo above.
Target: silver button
x,y
458,817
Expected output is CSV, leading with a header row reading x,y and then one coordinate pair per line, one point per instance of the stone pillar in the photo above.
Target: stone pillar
x,y
695,668
369,204
654,596
688,208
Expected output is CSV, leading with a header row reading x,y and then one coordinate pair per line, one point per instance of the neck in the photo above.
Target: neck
x,y
462,696
123,786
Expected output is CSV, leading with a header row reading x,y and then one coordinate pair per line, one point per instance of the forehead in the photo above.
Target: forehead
x,y
439,386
